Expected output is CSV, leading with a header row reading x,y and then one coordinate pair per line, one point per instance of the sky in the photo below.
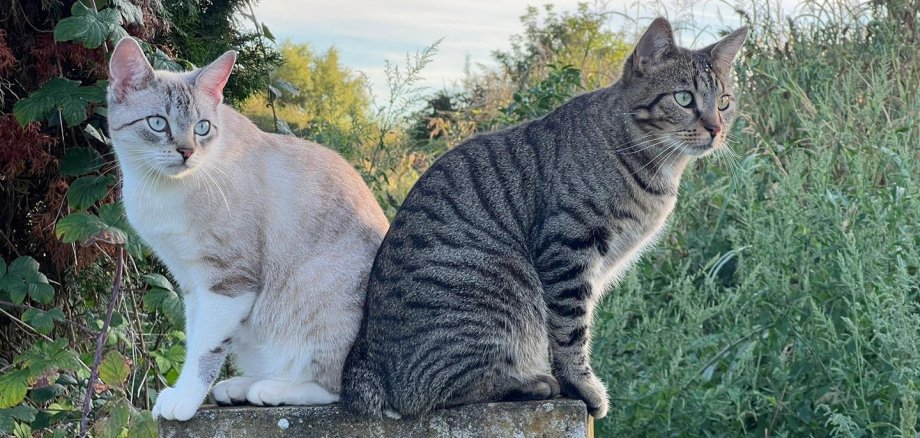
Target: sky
x,y
368,32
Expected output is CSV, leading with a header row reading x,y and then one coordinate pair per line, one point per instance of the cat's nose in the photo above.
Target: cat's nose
x,y
185,152
713,129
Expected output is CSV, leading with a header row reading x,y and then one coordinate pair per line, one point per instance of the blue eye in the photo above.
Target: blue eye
x,y
684,98
203,127
157,123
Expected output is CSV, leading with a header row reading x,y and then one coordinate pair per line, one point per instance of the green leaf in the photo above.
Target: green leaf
x,y
157,280
13,387
90,27
42,321
113,370
78,227
45,394
23,278
85,191
59,93
129,12
80,161
166,301
24,413
143,426
116,422
22,430
267,33
170,358
113,215
48,356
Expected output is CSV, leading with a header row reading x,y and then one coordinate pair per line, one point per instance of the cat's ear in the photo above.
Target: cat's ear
x,y
655,43
128,68
725,51
214,76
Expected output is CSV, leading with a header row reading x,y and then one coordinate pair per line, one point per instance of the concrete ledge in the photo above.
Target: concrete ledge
x,y
551,418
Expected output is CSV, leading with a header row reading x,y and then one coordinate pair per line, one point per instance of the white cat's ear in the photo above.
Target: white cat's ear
x,y
655,43
725,51
128,68
214,76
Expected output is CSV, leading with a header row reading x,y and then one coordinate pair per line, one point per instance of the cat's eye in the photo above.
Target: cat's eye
x,y
157,123
203,127
683,98
724,102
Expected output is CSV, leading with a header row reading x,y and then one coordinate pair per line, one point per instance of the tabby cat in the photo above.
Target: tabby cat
x,y
271,238
485,286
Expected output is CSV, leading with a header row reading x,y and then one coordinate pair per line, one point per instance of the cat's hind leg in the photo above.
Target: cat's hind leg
x,y
279,392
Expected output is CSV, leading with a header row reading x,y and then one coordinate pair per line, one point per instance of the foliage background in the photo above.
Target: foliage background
x,y
783,299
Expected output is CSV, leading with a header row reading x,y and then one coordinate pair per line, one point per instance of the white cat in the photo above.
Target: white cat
x,y
271,238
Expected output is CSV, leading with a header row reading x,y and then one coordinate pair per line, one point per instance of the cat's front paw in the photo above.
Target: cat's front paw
x,y
589,389
174,404
232,391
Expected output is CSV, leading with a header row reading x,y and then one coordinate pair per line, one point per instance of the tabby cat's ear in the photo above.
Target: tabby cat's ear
x,y
655,43
213,78
128,68
725,51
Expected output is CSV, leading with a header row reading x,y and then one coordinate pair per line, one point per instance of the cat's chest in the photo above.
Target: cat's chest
x,y
626,242
160,218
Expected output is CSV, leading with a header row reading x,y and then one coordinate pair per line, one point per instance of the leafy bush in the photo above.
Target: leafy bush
x,y
73,353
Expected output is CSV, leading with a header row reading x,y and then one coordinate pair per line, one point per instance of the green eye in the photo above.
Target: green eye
x,y
683,98
724,102
157,123
203,127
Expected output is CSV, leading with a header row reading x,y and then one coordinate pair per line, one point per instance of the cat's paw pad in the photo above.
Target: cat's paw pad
x,y
590,390
232,391
175,404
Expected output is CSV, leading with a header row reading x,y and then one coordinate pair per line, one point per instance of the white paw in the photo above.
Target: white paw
x,y
174,404
232,391
277,392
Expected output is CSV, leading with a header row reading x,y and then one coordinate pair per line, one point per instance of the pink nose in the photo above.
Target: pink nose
x,y
185,152
713,129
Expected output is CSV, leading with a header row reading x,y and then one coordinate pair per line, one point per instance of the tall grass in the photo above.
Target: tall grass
x,y
784,301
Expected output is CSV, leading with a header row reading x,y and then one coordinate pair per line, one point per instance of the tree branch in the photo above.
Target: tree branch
x,y
100,340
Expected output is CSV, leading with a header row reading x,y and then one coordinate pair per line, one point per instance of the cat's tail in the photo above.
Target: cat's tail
x,y
362,388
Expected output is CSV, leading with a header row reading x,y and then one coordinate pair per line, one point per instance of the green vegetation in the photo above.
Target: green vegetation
x,y
782,301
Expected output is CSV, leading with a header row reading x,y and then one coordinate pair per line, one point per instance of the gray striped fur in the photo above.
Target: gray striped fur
x,y
485,286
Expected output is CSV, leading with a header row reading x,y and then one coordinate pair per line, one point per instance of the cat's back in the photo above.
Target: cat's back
x,y
296,172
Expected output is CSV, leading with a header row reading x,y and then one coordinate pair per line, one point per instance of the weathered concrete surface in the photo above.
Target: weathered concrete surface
x,y
552,418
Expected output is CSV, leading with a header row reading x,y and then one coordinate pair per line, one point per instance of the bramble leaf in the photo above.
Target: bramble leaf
x,y
157,280
67,95
90,27
166,301
87,190
24,413
23,278
78,227
143,426
80,161
47,356
113,370
42,321
13,387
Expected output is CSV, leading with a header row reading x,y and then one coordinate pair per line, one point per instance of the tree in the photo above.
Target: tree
x,y
312,93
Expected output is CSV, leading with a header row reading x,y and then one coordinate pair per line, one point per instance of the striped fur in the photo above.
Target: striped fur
x,y
485,286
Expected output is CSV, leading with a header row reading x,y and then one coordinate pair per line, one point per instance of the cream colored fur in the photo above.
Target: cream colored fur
x,y
270,238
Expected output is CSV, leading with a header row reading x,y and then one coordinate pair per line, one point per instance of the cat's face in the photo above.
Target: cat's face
x,y
681,100
161,122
